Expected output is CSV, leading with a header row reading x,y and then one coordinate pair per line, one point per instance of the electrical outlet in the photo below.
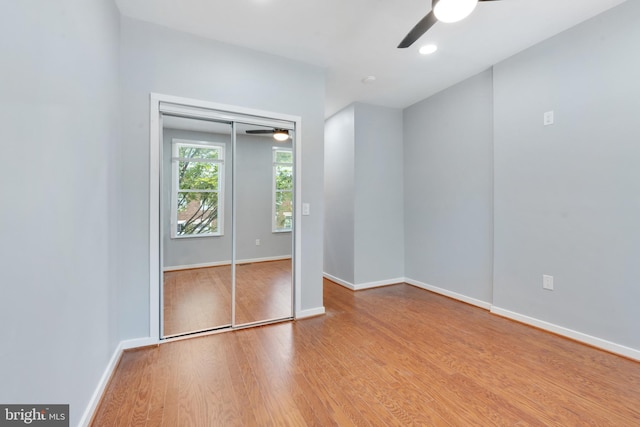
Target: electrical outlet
x,y
306,209
257,242
547,282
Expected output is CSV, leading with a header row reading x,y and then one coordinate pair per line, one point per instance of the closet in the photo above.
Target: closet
x,y
227,219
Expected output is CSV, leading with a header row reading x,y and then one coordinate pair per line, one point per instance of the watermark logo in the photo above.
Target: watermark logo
x,y
34,415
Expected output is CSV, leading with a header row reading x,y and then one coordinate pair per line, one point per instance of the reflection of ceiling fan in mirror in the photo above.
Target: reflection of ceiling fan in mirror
x,y
443,11
278,134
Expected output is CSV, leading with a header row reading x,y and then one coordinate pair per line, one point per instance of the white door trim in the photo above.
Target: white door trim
x,y
154,192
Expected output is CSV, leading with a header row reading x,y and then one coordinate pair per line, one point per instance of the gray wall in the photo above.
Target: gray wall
x,y
58,184
567,196
254,198
379,209
363,190
448,153
156,59
339,186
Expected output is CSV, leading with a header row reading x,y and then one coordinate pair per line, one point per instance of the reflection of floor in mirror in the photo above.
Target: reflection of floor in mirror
x,y
200,299
263,291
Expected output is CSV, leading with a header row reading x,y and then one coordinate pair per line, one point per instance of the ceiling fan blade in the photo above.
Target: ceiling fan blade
x,y
417,31
261,132
488,0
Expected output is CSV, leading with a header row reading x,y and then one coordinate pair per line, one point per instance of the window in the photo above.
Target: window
x,y
198,187
282,189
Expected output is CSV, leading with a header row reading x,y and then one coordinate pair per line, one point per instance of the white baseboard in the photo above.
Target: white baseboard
x,y
266,259
312,312
569,333
379,283
102,384
226,262
192,266
361,286
339,281
108,372
139,342
448,293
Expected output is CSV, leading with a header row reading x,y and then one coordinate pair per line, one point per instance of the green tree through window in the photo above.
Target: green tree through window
x,y
283,189
198,175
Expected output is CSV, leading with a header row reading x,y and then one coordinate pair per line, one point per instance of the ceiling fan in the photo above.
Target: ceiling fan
x,y
441,10
278,134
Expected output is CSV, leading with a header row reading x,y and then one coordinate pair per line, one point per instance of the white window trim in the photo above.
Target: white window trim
x,y
274,228
175,160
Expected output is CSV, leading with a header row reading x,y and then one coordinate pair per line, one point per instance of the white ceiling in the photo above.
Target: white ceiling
x,y
357,38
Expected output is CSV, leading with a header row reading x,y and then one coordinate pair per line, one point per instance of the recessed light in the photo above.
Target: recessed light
x,y
369,79
428,49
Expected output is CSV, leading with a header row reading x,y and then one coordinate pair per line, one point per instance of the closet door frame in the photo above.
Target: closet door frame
x,y
179,106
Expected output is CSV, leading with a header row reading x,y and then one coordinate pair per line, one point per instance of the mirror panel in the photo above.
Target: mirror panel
x,y
196,238
264,223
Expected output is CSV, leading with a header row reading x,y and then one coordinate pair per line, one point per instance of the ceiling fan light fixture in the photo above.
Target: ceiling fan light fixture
x,y
454,10
281,135
428,49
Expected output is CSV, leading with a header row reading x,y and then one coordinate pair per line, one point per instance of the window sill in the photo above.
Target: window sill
x,y
196,236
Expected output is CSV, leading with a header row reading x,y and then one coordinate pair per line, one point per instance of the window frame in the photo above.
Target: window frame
x,y
176,144
274,192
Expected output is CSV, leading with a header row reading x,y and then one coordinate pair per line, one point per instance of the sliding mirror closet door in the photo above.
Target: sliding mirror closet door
x,y
196,225
264,221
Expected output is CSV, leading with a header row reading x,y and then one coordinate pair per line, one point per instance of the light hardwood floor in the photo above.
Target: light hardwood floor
x,y
199,299
396,355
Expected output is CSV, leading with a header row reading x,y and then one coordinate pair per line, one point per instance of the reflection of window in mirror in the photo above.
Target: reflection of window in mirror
x,y
197,197
282,215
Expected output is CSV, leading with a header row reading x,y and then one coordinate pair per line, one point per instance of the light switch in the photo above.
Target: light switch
x,y
548,118
306,209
